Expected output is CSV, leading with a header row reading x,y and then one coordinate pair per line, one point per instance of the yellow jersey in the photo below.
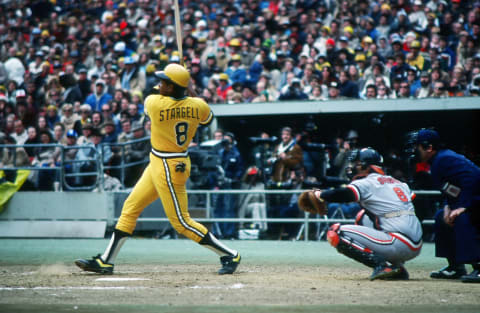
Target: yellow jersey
x,y
175,121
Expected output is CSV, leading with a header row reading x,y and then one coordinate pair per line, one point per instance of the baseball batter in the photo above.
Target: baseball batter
x,y
386,233
175,118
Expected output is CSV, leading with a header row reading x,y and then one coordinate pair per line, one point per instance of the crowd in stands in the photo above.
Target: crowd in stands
x,y
77,72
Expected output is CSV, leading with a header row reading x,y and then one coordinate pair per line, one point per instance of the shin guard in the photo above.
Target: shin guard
x,y
355,251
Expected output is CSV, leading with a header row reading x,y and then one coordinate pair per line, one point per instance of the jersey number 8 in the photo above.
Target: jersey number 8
x,y
400,194
181,131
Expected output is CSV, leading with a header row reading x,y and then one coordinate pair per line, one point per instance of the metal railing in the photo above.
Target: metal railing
x,y
320,222
121,150
71,173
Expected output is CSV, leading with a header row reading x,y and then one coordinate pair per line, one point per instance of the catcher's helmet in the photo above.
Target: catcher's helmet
x,y
365,158
176,74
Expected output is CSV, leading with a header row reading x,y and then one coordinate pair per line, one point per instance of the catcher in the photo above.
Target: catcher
x,y
386,232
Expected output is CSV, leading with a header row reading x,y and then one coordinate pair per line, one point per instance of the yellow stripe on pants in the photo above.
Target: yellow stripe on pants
x,y
160,180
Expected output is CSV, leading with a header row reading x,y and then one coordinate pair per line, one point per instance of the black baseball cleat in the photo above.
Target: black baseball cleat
x,y
385,272
403,275
95,265
473,277
229,264
449,272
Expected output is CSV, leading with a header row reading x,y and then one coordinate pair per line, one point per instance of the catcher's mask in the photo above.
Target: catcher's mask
x,y
423,137
362,159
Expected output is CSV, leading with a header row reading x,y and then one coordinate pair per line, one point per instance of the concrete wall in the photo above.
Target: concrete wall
x,y
72,215
57,214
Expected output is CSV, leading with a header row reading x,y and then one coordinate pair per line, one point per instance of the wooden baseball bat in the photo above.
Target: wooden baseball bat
x,y
178,30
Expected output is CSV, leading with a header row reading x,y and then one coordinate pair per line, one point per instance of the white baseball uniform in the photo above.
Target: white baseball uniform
x,y
390,228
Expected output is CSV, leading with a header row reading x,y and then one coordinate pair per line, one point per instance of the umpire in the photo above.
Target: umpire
x,y
457,225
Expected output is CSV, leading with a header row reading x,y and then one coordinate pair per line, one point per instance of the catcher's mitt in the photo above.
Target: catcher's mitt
x,y
308,202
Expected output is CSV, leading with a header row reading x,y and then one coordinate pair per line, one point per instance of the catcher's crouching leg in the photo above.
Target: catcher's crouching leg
x,y
353,250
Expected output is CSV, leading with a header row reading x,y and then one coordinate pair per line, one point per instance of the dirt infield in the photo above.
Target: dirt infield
x,y
317,279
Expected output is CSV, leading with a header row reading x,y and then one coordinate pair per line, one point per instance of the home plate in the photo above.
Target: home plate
x,y
120,279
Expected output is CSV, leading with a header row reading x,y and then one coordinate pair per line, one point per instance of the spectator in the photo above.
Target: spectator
x,y
97,119
371,91
110,79
59,133
413,80
44,158
134,115
417,18
288,68
226,205
439,90
287,155
98,69
317,93
125,134
32,139
69,119
13,156
334,91
400,69
131,78
85,114
137,99
383,92
404,91
99,97
52,116
425,89
84,83
87,155
151,79
340,162
293,92
347,88
87,129
20,134
286,160
107,114
414,58
69,155
224,86
109,134
253,204
14,66
268,86
72,91
236,72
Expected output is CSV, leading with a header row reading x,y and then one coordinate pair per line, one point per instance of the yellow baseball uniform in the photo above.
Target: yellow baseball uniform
x,y
174,123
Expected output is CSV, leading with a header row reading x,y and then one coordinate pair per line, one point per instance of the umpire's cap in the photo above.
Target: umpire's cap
x,y
176,74
427,136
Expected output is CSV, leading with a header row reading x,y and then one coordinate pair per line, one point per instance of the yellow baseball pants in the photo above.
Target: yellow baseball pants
x,y
161,180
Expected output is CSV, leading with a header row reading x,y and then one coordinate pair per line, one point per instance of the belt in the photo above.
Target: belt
x,y
166,155
398,213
